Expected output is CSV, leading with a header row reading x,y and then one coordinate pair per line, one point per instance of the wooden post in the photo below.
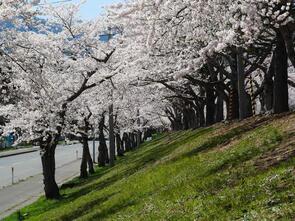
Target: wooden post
x,y
12,175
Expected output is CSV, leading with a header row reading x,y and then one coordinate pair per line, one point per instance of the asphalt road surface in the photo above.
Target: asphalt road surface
x,y
28,176
29,164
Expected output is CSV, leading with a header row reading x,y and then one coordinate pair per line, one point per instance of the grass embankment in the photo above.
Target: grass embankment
x,y
2,150
239,171
7,149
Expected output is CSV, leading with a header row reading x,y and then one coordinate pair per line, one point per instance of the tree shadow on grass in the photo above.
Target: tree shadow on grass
x,y
223,139
84,208
138,162
53,204
102,214
101,171
148,154
155,154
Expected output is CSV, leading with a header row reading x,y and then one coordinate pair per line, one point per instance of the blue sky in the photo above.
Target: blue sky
x,y
93,8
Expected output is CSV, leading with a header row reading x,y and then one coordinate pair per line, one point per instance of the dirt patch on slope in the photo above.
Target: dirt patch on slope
x,y
284,152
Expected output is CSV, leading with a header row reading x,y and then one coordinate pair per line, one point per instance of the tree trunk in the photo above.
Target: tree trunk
x,y
192,117
268,85
281,94
147,133
233,112
122,145
83,167
201,109
185,119
131,141
245,109
103,152
111,136
219,109
126,142
138,133
210,106
102,148
120,151
48,165
221,97
138,139
89,158
233,106
135,139
86,159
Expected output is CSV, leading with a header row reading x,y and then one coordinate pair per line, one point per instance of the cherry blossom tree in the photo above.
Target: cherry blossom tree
x,y
187,63
53,70
208,50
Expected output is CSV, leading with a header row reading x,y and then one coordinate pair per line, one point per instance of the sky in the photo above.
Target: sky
x,y
92,8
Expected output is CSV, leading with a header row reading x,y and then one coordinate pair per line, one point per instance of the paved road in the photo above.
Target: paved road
x,y
29,164
19,195
28,167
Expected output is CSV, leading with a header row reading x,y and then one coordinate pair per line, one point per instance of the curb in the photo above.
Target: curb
x,y
18,152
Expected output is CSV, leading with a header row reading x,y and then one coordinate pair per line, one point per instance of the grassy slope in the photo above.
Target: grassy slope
x,y
240,171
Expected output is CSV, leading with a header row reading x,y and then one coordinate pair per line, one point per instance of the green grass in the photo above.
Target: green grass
x,y
206,174
15,148
7,149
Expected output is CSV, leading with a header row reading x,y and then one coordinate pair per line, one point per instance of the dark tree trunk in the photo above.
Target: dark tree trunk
x,y
48,165
131,141
138,139
103,157
83,167
185,119
135,139
281,94
86,159
147,133
191,117
233,112
210,106
90,164
195,123
175,116
89,158
122,145
197,117
201,116
120,151
111,136
245,109
221,97
233,105
133,144
219,110
268,85
103,152
126,142
138,133
201,109
141,137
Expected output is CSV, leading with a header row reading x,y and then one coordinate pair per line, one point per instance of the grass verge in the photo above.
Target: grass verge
x,y
239,171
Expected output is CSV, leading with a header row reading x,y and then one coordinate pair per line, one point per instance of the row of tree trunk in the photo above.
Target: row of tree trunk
x,y
223,97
